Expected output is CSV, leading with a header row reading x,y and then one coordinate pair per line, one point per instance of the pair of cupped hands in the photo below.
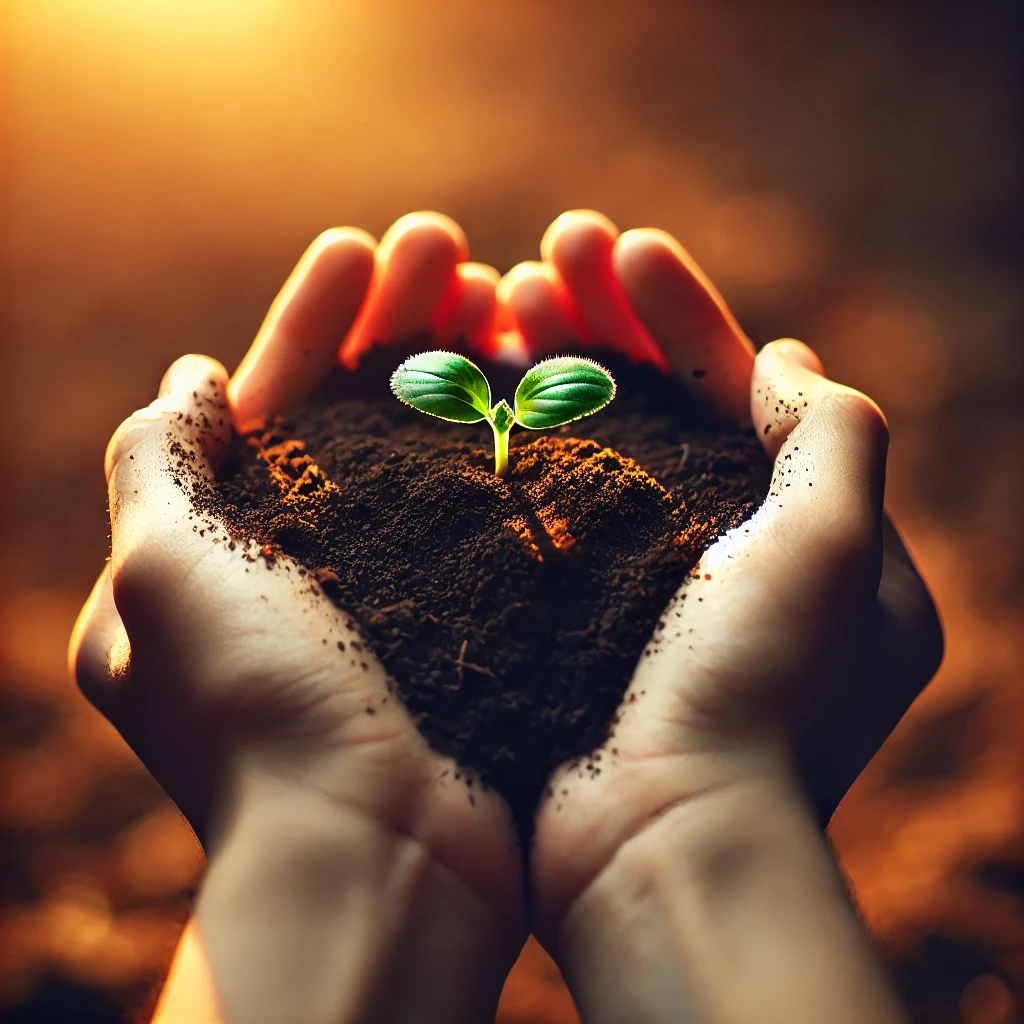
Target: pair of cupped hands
x,y
804,636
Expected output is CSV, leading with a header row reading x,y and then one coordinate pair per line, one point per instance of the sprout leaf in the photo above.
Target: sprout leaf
x,y
553,392
445,385
560,390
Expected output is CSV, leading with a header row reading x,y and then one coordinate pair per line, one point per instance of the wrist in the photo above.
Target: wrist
x,y
726,906
312,911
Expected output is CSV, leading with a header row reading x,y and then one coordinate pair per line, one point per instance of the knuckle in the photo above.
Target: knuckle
x,y
99,657
139,594
861,414
100,675
89,672
135,587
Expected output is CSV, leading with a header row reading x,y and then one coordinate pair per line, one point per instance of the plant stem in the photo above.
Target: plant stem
x,y
500,450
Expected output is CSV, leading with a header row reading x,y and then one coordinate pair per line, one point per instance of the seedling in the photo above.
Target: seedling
x,y
554,391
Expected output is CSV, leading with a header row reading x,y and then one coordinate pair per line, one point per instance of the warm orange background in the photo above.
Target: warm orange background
x,y
847,175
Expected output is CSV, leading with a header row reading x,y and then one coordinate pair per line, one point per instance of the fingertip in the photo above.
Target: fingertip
x,y
789,379
510,348
193,402
646,244
467,312
193,372
413,280
526,270
297,343
482,273
533,289
576,227
792,351
336,267
423,229
346,238
687,319
534,302
579,245
645,256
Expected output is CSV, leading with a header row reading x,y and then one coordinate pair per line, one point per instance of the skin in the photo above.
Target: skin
x,y
349,877
802,639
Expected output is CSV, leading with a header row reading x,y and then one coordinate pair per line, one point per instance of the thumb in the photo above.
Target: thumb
x,y
154,462
188,420
829,444
191,408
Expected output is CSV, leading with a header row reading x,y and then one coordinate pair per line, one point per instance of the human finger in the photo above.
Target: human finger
x,y
297,344
176,572
579,245
413,269
687,318
540,308
190,410
155,461
465,318
829,445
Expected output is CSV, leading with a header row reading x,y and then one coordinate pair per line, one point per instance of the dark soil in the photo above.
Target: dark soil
x,y
510,613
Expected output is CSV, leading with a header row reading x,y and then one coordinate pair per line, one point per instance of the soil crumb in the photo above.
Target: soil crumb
x,y
510,613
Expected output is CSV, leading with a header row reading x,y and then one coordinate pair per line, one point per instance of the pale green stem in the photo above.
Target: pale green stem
x,y
500,450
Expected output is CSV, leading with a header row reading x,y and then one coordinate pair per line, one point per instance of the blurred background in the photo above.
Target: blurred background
x,y
847,174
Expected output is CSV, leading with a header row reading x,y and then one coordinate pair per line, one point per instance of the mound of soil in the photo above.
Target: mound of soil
x,y
509,613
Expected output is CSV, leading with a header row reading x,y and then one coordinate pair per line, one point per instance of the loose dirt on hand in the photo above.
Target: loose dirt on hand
x,y
510,613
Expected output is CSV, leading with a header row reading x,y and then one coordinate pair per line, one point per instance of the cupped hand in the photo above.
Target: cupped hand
x,y
235,680
804,634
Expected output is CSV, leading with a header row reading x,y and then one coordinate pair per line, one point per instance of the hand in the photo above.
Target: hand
x,y
803,638
349,873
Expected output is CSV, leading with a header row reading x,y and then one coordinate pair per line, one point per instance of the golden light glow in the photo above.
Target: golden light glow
x,y
169,160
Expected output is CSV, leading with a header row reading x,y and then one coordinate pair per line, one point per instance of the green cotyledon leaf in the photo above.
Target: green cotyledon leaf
x,y
445,385
560,390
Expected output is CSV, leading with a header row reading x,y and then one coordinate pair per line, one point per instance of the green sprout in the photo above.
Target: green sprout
x,y
554,391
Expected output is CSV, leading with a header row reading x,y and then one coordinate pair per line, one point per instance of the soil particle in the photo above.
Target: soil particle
x,y
509,613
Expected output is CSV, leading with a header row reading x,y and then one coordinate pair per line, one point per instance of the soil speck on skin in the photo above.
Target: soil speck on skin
x,y
509,613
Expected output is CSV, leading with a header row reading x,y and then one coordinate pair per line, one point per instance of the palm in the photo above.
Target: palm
x,y
728,673
804,614
204,659
251,657
206,655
